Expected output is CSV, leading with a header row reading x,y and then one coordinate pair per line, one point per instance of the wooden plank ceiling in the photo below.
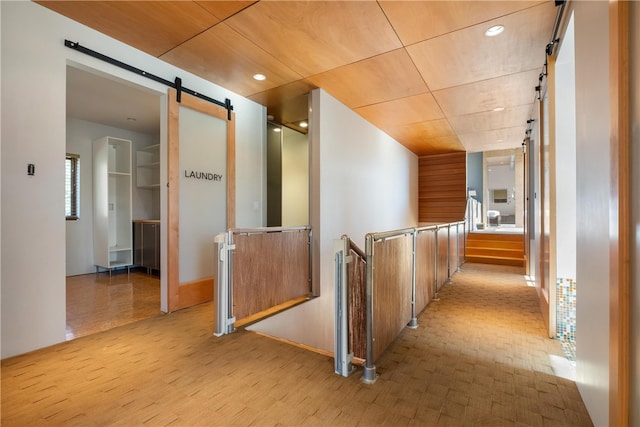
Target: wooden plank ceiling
x,y
422,71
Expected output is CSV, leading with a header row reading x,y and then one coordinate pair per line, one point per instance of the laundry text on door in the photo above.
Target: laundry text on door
x,y
208,176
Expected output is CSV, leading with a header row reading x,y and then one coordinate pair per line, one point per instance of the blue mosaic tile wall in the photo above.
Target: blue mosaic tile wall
x,y
566,313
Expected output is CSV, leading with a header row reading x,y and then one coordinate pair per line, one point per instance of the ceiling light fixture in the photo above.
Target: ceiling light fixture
x,y
497,109
494,31
259,77
277,130
304,124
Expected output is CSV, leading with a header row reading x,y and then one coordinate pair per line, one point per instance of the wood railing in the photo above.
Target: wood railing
x,y
259,269
404,269
425,267
356,276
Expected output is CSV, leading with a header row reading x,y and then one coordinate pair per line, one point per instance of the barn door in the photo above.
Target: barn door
x,y
201,195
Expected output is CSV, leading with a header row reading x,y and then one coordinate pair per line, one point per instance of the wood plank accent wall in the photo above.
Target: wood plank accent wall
x,y
442,187
279,270
393,266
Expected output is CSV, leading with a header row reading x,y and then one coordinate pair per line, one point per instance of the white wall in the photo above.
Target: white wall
x,y
33,223
592,192
34,61
362,181
79,234
634,74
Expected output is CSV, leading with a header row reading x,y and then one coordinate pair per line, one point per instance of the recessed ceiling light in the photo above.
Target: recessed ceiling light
x,y
498,109
260,77
494,31
303,124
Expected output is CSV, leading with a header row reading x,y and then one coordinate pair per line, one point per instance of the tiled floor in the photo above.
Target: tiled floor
x,y
479,357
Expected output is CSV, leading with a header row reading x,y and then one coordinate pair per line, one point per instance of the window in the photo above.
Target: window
x,y
72,187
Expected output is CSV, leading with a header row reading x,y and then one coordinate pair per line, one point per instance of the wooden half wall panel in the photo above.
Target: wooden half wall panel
x,y
425,268
279,270
357,272
392,266
442,187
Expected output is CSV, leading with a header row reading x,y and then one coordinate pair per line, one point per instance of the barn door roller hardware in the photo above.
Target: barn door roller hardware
x,y
176,84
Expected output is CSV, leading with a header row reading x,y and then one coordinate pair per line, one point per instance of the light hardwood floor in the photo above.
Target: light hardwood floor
x,y
97,302
479,357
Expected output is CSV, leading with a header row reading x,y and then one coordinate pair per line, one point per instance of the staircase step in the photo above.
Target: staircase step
x,y
496,252
495,244
495,248
517,237
516,262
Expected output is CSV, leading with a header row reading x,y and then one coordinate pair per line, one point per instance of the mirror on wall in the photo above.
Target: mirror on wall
x,y
287,176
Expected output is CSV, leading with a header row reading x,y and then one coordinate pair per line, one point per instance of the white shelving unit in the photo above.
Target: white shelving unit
x,y
112,231
148,167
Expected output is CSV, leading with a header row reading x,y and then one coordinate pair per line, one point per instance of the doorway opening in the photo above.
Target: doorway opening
x,y
503,190
101,106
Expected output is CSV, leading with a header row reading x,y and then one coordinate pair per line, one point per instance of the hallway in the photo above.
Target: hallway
x,y
478,357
